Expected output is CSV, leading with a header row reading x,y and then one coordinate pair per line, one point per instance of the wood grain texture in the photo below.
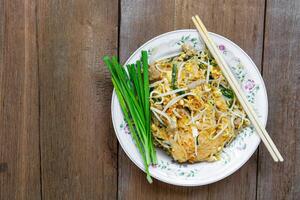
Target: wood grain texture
x,y
78,147
56,135
19,111
282,76
141,21
135,30
243,23
240,21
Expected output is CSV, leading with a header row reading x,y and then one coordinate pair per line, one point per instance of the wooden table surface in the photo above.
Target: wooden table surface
x,y
56,134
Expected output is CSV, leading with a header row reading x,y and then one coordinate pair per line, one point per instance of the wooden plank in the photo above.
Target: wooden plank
x,y
140,21
282,75
78,147
19,111
240,21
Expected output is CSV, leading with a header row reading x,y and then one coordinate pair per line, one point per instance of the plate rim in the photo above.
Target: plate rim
x,y
230,172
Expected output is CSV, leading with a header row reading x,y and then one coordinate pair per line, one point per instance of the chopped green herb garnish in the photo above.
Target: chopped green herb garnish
x,y
227,92
174,77
197,142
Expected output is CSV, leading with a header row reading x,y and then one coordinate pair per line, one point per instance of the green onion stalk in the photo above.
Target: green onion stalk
x,y
133,90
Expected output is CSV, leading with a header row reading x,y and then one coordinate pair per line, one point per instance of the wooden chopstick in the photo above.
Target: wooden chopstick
x,y
236,88
226,68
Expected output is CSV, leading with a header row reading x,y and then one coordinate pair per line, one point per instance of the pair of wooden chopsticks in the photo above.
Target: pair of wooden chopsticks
x,y
237,90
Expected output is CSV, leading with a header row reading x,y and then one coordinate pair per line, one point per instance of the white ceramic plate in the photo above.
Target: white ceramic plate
x,y
235,154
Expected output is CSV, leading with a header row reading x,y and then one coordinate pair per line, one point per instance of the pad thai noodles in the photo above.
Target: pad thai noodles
x,y
194,111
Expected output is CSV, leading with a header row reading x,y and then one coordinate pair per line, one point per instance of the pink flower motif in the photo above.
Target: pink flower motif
x,y
221,47
126,129
249,85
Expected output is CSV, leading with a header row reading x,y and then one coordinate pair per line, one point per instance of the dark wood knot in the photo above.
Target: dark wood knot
x,y
3,167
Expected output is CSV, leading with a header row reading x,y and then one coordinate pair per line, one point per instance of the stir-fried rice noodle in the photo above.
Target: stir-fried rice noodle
x,y
194,111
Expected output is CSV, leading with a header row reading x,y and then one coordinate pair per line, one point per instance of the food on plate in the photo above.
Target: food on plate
x,y
195,114
181,104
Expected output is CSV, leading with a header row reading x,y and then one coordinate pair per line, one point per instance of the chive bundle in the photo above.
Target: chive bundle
x,y
133,90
